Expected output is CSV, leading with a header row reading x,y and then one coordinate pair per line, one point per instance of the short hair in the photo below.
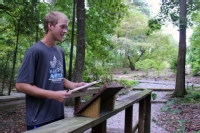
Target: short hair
x,y
53,18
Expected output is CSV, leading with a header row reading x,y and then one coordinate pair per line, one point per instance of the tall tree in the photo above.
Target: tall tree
x,y
80,52
72,41
180,75
179,14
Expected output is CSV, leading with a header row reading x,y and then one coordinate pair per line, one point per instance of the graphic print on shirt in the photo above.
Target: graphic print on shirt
x,y
56,71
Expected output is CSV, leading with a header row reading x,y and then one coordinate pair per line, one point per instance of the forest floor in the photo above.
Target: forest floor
x,y
13,120
179,117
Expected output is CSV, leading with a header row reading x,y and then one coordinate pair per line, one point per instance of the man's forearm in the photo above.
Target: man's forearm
x,y
33,90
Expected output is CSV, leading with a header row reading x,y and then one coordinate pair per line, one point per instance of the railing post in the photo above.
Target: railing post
x,y
77,103
100,128
147,121
128,119
141,116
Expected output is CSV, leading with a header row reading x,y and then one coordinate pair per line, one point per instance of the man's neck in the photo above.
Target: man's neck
x,y
48,41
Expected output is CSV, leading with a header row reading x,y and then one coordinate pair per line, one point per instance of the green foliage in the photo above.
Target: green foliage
x,y
97,73
86,98
145,65
192,96
154,96
102,19
169,12
142,6
165,108
127,83
153,25
173,63
194,49
131,41
21,28
125,71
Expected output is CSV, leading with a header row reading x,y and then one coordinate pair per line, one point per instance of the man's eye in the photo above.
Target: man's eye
x,y
63,27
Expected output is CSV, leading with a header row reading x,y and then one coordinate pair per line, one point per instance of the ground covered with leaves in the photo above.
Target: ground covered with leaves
x,y
180,118
13,120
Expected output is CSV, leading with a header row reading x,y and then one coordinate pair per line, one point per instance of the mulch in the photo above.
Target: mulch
x,y
13,120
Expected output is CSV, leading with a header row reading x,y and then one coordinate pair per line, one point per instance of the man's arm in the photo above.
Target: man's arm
x,y
73,85
35,91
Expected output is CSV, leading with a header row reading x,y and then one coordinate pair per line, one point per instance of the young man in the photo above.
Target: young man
x,y
41,76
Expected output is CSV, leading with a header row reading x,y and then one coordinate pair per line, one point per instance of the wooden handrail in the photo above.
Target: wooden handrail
x,y
79,124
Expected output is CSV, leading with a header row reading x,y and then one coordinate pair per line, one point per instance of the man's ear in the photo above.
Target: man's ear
x,y
49,26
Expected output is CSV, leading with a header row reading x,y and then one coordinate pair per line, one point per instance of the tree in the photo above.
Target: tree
x,y
80,52
21,19
180,90
134,44
168,11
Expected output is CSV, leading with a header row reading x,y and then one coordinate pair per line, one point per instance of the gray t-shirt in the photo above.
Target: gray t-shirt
x,y
43,67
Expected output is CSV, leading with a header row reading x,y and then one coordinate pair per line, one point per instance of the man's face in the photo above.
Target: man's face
x,y
59,30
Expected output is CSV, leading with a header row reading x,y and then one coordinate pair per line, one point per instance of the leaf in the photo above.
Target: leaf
x,y
154,96
164,108
177,110
181,121
182,128
170,102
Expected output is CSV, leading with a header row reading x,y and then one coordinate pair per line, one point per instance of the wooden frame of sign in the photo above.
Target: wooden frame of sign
x,y
102,101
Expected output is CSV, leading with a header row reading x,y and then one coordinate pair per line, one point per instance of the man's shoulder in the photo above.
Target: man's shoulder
x,y
35,47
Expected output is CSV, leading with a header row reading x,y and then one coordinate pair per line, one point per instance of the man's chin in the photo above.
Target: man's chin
x,y
59,39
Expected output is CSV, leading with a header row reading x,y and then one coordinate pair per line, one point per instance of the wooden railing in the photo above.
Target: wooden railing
x,y
79,124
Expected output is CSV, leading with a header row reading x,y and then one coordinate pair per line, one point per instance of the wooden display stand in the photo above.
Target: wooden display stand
x,y
101,102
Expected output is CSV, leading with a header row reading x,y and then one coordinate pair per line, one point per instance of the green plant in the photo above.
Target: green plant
x,y
86,98
154,96
173,63
181,126
192,96
145,65
165,108
125,71
127,83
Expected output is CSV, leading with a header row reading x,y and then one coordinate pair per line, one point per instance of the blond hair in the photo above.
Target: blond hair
x,y
53,18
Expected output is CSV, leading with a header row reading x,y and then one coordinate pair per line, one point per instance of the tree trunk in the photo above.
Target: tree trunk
x,y
80,49
72,43
11,84
180,75
131,64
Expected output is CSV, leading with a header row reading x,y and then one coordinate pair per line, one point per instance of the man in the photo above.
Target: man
x,y
41,76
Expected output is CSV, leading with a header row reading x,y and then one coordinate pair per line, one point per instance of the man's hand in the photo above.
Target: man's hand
x,y
82,84
60,96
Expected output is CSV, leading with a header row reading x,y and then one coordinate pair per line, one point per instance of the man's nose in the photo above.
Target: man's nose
x,y
65,30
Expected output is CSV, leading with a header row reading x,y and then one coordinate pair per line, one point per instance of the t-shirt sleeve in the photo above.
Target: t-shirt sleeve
x,y
26,72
